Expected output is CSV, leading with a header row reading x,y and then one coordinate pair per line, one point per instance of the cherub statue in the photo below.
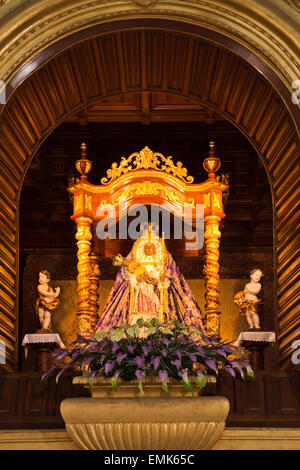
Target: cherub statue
x,y
247,300
48,300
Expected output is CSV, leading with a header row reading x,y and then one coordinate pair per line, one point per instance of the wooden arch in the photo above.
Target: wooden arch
x,y
149,59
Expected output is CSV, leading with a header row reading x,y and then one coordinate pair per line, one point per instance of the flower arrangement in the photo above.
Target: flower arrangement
x,y
145,349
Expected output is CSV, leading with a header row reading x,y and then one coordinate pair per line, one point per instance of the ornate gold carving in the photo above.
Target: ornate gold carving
x,y
78,202
148,187
83,165
211,164
85,320
88,202
217,201
225,180
146,159
206,200
212,235
190,202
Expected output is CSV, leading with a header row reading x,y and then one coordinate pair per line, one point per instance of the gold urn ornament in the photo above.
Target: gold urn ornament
x,y
212,164
83,165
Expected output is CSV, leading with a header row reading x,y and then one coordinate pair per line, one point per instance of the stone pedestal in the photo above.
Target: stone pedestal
x,y
125,420
43,343
255,341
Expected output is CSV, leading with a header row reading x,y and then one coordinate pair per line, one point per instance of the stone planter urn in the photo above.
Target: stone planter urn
x,y
126,420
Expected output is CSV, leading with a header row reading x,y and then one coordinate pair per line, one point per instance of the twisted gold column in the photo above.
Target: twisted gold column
x,y
94,290
211,271
84,314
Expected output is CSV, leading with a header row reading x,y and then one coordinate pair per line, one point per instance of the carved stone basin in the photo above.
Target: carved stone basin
x,y
125,420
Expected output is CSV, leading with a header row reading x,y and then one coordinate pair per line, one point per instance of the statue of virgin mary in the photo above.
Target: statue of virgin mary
x,y
149,284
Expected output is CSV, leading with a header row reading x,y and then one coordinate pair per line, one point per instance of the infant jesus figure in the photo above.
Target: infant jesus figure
x,y
47,301
247,300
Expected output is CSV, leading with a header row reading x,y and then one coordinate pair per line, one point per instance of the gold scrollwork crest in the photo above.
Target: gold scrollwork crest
x,y
146,159
146,188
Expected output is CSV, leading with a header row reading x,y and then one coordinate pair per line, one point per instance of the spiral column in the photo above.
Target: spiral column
x,y
85,315
212,235
94,290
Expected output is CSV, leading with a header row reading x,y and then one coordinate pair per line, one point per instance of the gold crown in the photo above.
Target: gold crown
x,y
144,160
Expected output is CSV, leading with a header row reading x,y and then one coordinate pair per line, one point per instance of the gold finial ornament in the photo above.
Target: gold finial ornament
x,y
144,160
212,164
83,165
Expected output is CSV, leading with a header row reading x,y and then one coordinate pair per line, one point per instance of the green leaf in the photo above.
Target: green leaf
x,y
165,387
141,388
151,330
100,334
201,382
185,332
117,335
154,321
91,383
188,385
140,322
198,332
167,331
250,372
114,384
131,331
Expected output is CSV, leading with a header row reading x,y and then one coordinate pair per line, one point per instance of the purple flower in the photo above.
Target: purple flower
x,y
211,364
193,357
178,353
164,352
221,352
117,373
238,367
183,374
155,362
165,341
61,355
146,349
131,348
109,366
227,348
163,375
199,373
120,357
115,347
140,374
230,370
102,358
207,341
176,363
140,360
200,350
